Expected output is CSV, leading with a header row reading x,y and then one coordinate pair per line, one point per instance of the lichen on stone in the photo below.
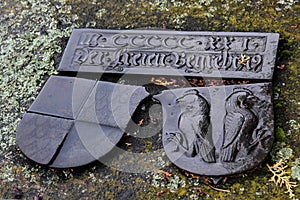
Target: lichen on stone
x,y
296,169
33,34
281,152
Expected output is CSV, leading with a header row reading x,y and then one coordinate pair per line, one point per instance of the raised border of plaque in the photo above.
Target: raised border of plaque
x,y
243,55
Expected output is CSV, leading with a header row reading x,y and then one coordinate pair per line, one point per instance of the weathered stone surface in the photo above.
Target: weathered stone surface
x,y
112,104
39,136
85,143
218,130
206,54
62,96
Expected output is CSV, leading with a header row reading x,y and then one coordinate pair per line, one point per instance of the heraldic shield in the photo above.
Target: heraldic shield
x,y
239,138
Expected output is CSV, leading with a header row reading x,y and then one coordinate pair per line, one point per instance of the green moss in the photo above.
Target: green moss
x,y
33,34
278,105
280,135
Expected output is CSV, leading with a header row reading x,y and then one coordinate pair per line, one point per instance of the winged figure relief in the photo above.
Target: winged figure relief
x,y
239,124
193,126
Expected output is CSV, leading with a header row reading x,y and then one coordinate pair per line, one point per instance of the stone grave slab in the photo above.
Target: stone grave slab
x,y
53,134
112,104
86,143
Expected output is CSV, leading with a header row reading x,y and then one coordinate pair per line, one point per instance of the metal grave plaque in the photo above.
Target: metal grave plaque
x,y
210,130
245,55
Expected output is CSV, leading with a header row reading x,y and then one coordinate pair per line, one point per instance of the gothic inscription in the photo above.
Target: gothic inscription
x,y
190,63
198,42
234,55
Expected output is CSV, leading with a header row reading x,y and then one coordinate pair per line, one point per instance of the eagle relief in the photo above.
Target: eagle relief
x,y
239,124
217,130
193,127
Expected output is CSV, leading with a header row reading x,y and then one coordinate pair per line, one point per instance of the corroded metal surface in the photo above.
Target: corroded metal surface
x,y
218,130
205,54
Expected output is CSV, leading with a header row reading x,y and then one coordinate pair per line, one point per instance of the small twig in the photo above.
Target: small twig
x,y
128,144
141,122
218,189
281,177
243,60
166,173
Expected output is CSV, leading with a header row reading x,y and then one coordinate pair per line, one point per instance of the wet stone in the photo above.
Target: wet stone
x,y
218,130
205,54
213,131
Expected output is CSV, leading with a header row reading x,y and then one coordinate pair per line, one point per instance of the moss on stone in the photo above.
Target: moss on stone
x,y
280,135
33,34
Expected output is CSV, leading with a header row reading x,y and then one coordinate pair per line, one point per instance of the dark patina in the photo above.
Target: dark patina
x,y
212,130
217,130
179,53
76,121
